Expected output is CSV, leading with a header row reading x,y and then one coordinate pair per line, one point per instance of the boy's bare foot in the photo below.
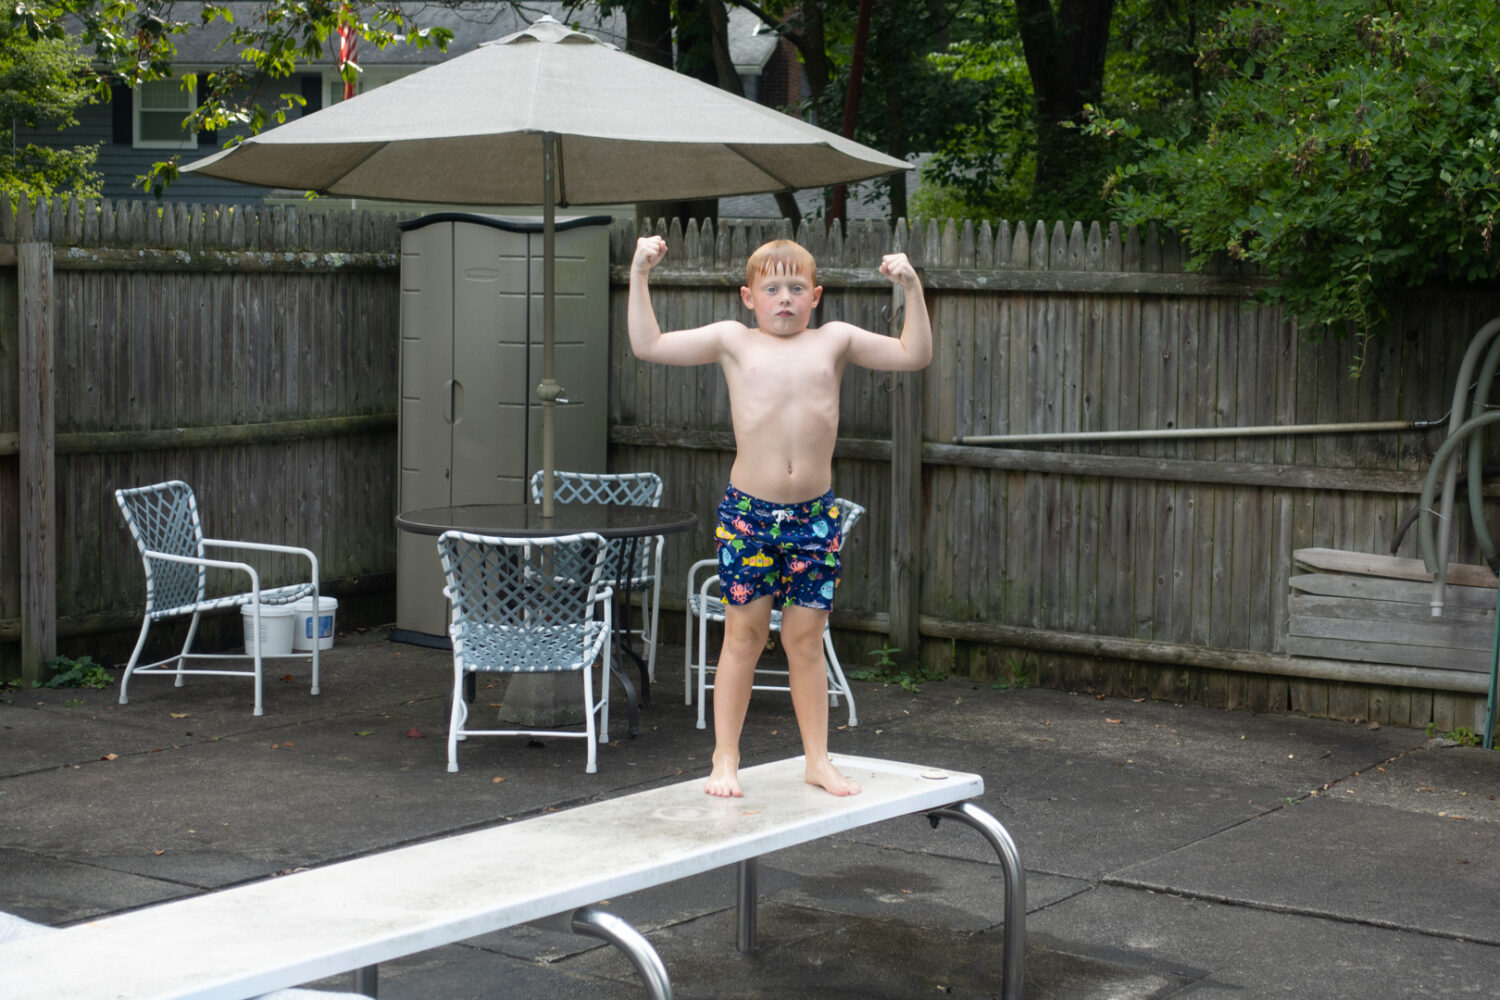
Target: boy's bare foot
x,y
823,774
724,779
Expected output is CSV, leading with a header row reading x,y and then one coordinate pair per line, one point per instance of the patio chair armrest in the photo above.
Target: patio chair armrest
x,y
703,588
293,550
228,564
696,568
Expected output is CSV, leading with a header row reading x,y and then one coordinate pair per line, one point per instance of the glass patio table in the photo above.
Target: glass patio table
x,y
627,523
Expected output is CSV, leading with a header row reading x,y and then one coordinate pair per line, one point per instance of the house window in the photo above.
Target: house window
x,y
160,107
369,79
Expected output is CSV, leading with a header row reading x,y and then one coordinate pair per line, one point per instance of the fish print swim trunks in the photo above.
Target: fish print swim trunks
x,y
790,551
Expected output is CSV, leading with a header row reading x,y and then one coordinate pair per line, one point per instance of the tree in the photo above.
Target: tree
x,y
1351,150
907,106
700,30
1064,48
132,43
41,85
1035,73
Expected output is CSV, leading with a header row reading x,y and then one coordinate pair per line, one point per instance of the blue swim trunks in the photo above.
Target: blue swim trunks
x,y
789,551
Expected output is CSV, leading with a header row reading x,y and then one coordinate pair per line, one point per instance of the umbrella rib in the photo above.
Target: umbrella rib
x,y
737,151
354,166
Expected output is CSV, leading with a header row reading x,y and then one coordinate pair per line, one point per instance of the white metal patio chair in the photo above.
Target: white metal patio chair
x,y
527,605
705,604
163,519
640,488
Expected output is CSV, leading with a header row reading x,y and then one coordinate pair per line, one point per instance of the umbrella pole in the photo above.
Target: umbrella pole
x,y
548,391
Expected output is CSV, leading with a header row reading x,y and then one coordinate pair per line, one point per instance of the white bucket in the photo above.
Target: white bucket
x,y
275,630
312,621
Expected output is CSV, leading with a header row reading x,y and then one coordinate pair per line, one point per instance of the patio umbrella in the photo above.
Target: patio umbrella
x,y
546,116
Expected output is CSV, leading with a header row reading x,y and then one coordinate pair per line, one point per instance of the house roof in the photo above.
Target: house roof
x,y
471,24
751,42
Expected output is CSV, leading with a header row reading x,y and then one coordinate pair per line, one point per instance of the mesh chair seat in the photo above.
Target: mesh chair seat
x,y
164,523
545,649
705,604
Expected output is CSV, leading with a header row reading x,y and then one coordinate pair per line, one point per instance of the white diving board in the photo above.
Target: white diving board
x,y
352,915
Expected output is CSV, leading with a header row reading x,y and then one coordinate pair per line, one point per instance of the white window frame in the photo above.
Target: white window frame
x,y
189,140
370,77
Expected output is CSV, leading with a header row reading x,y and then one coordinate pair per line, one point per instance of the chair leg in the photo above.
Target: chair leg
x,y
702,669
259,709
316,642
186,645
604,680
140,644
688,620
456,717
590,738
836,675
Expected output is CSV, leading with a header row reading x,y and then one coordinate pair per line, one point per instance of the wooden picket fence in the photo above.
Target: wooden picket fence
x,y
254,353
250,353
1157,567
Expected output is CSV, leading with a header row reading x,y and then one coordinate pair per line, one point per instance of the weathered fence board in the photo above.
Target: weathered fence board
x,y
249,353
1184,542
254,354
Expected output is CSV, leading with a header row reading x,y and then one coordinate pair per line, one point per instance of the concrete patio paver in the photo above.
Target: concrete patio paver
x,y
1171,851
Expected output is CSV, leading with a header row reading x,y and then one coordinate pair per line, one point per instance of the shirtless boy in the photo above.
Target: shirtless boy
x,y
783,378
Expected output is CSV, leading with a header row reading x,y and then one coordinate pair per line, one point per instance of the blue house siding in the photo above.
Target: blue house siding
x,y
121,163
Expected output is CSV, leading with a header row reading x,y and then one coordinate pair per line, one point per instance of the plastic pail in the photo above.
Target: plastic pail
x,y
311,621
275,630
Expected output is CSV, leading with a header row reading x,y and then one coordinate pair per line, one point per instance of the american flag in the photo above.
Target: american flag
x,y
348,43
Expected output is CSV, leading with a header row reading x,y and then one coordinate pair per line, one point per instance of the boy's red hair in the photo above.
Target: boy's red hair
x,y
780,257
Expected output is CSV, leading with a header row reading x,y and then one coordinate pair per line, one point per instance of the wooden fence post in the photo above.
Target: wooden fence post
x,y
37,460
906,504
906,512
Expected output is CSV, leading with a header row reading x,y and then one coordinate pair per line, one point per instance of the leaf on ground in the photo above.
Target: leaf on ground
x,y
1113,722
365,732
496,781
287,678
179,715
110,756
415,733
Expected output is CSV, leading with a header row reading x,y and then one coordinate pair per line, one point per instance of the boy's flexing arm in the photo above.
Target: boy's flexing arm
x,y
914,349
699,346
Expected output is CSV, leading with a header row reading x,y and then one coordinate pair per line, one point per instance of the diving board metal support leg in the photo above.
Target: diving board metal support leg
x,y
1489,702
605,926
366,981
1015,888
1014,941
746,895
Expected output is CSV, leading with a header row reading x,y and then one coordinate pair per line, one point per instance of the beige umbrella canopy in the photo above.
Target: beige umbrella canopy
x,y
546,116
